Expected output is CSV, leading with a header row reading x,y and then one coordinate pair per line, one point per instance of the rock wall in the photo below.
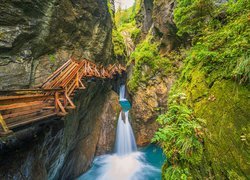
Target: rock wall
x,y
147,103
150,100
63,149
156,18
225,106
36,37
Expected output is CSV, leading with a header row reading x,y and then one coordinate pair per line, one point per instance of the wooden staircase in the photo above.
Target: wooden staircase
x,y
26,106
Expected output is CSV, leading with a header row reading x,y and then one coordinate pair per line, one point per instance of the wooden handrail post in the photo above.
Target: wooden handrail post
x,y
4,125
77,79
56,100
65,102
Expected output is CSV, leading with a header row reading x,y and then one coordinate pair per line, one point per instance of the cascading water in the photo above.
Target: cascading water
x,y
126,163
125,141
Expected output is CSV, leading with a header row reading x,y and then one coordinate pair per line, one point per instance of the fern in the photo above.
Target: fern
x,y
179,138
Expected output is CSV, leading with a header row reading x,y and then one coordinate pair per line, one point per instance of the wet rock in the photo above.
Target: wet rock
x,y
164,27
108,120
90,135
144,17
147,103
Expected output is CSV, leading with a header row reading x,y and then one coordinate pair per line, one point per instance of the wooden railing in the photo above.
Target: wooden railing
x,y
24,106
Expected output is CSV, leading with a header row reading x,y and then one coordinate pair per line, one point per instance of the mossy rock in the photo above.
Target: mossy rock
x,y
225,106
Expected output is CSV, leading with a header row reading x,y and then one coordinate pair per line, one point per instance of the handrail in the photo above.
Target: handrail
x,y
56,89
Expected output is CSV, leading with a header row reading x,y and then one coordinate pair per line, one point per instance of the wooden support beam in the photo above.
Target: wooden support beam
x,y
70,102
4,126
53,75
56,102
77,79
61,106
81,84
65,102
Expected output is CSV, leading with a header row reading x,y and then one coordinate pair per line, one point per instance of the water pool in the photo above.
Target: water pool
x,y
144,164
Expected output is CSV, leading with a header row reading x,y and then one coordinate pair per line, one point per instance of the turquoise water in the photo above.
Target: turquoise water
x,y
145,164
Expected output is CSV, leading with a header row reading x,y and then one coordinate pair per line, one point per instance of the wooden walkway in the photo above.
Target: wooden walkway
x,y
25,106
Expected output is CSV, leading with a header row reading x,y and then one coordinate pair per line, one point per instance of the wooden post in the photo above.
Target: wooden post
x,y
56,100
64,98
82,85
70,102
77,79
4,125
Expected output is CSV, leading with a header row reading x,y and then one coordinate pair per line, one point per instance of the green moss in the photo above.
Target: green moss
x,y
147,62
52,58
226,111
215,79
119,46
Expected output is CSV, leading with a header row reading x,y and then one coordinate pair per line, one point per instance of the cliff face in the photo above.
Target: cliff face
x,y
36,37
206,75
151,97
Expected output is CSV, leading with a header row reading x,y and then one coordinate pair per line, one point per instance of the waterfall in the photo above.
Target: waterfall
x,y
126,163
125,141
122,92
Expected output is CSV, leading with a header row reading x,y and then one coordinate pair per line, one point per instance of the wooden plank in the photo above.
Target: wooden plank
x,y
21,113
24,99
32,96
72,89
53,75
64,76
77,79
81,84
70,77
60,77
55,102
32,120
19,105
28,107
31,90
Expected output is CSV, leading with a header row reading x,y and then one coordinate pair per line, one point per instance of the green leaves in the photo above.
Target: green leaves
x,y
119,46
179,138
221,45
191,15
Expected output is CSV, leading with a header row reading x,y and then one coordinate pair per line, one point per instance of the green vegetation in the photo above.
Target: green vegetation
x,y
219,45
181,138
124,22
52,58
215,78
119,46
207,118
147,62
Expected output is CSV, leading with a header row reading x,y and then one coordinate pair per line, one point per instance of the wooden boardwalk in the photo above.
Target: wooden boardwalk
x,y
26,106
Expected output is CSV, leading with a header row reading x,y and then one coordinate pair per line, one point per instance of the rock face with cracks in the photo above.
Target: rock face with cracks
x,y
36,37
148,102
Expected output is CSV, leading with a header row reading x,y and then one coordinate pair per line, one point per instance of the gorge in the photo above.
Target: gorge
x,y
187,79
